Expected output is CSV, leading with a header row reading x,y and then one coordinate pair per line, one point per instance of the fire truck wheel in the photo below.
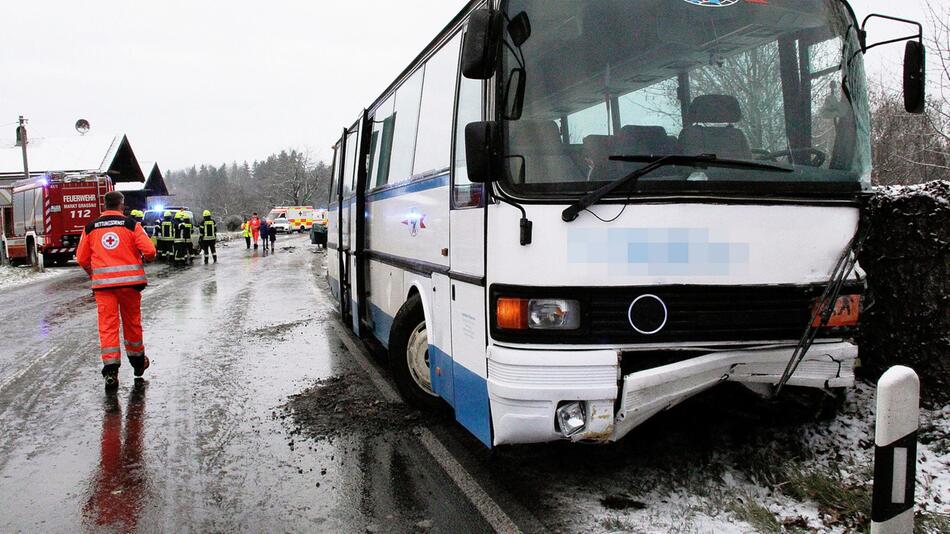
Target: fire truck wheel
x,y
409,356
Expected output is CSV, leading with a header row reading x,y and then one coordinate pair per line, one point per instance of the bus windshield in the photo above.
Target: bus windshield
x,y
775,81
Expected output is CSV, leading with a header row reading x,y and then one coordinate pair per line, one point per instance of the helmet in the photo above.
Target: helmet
x,y
136,213
167,214
207,213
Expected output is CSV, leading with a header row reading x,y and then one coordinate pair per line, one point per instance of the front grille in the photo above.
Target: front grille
x,y
694,314
705,313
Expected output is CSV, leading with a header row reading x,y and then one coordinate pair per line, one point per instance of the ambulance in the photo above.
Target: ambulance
x,y
292,218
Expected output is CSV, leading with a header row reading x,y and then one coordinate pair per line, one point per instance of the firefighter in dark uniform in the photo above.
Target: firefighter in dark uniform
x,y
166,237
183,240
209,236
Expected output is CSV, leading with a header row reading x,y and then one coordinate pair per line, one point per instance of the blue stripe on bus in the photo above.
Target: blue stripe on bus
x,y
431,182
461,388
382,324
442,370
472,408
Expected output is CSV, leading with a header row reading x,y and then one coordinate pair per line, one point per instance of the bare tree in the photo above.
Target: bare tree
x,y
938,42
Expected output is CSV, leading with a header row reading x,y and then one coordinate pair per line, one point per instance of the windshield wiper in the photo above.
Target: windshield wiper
x,y
656,162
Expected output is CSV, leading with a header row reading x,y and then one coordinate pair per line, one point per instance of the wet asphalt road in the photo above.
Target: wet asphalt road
x,y
199,445
207,443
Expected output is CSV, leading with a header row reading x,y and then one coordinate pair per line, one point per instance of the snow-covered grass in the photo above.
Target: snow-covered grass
x,y
727,464
16,276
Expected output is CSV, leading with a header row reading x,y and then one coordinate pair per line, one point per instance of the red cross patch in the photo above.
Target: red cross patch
x,y
110,241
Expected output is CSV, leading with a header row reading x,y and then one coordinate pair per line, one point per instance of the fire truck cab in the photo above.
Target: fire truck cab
x,y
48,215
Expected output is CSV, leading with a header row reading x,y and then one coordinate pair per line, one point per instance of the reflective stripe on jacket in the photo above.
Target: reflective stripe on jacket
x,y
168,230
209,230
111,250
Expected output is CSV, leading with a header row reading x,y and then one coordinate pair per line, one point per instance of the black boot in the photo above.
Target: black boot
x,y
139,365
111,375
215,258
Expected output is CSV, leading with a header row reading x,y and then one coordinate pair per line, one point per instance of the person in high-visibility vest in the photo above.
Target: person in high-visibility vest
x,y
246,231
111,250
166,237
255,228
209,236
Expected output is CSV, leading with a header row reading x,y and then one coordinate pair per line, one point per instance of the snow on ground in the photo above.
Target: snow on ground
x,y
838,450
726,463
16,276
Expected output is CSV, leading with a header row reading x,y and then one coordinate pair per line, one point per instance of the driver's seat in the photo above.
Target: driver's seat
x,y
723,139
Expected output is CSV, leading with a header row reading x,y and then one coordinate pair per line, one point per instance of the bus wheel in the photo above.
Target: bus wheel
x,y
409,356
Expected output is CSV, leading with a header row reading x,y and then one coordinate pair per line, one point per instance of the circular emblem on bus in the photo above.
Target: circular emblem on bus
x,y
648,314
110,241
713,3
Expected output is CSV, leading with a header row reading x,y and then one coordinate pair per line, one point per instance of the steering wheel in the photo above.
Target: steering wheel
x,y
802,156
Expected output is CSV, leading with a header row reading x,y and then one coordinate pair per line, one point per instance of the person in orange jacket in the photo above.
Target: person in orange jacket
x,y
112,250
256,228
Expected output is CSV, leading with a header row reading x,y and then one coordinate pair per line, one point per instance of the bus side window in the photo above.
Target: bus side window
x,y
381,143
434,141
465,194
408,101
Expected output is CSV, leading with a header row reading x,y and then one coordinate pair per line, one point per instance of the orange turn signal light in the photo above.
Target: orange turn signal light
x,y
511,313
846,312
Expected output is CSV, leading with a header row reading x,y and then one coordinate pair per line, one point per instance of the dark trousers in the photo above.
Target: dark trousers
x,y
209,246
247,239
183,252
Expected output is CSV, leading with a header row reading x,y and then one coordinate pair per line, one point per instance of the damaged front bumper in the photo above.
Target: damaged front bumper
x,y
526,386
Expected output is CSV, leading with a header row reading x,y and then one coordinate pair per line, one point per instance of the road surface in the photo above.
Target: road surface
x,y
261,414
206,442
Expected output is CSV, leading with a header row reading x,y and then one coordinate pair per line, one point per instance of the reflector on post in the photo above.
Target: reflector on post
x,y
895,451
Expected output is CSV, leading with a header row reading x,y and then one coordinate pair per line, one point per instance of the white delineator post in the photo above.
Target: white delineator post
x,y
895,452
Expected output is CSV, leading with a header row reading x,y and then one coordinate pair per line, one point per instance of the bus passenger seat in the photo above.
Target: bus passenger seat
x,y
547,159
637,140
723,139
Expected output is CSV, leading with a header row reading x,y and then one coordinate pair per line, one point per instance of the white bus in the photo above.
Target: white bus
x,y
567,216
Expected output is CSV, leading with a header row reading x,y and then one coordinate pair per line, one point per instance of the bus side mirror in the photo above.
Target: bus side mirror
x,y
481,154
915,77
514,94
482,44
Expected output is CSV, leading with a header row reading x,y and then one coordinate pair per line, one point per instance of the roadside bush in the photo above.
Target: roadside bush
x,y
907,258
233,223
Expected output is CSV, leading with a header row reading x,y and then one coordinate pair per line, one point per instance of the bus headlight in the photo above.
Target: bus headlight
x,y
537,314
571,418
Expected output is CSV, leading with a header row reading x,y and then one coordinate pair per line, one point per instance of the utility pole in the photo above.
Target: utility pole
x,y
22,141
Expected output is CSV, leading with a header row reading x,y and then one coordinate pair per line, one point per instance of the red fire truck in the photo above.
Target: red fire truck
x,y
48,215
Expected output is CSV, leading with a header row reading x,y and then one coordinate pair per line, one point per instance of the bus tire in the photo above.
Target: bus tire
x,y
409,356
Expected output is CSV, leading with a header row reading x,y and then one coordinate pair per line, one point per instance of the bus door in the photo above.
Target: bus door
x,y
469,387
334,235
348,213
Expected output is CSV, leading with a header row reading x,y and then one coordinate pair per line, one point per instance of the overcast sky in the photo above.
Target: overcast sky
x,y
194,81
